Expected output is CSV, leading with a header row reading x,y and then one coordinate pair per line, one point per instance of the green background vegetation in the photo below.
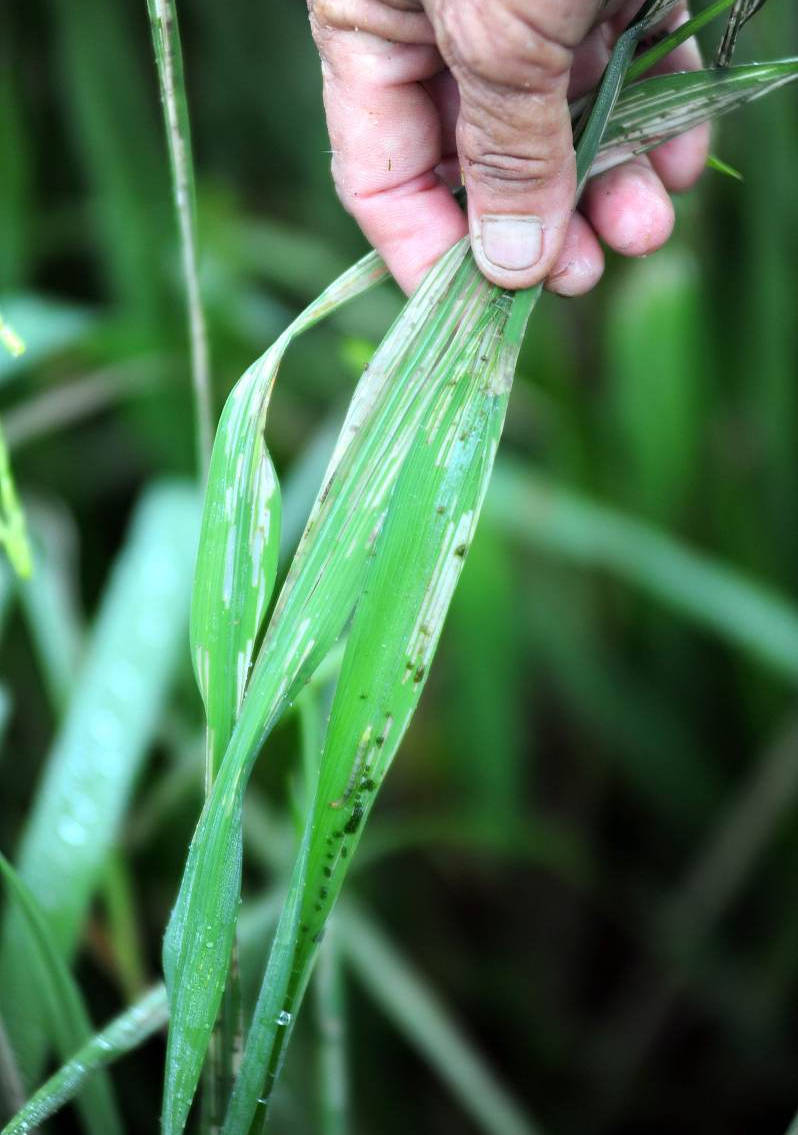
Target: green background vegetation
x,y
587,843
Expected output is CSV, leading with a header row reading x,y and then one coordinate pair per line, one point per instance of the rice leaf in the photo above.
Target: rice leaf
x,y
557,520
11,340
406,376
126,1032
240,534
17,209
432,516
270,1018
318,597
5,713
115,144
50,603
45,327
409,1002
656,312
657,109
13,533
742,12
719,166
494,706
13,527
132,655
663,47
63,1010
169,61
12,1093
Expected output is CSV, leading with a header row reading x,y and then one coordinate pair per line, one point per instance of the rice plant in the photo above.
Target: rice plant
x,y
346,647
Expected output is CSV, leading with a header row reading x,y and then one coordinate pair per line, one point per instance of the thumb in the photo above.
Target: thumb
x,y
514,141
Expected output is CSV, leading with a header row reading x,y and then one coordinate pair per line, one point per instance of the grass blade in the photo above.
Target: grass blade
x,y
713,595
240,533
742,12
90,772
657,109
46,327
126,1032
169,59
115,143
13,527
317,598
63,1007
656,313
412,1005
431,519
49,600
485,660
322,587
646,60
12,1092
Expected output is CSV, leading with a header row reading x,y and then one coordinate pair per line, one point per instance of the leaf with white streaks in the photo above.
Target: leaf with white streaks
x,y
241,527
406,376
654,110
431,519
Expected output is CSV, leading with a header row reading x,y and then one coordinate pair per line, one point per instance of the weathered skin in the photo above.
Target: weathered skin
x,y
420,93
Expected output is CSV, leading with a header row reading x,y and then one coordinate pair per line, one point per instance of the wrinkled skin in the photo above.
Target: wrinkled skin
x,y
422,93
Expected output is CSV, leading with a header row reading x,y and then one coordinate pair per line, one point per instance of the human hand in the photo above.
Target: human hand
x,y
420,93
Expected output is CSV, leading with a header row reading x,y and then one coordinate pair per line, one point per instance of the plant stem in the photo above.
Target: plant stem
x,y
166,40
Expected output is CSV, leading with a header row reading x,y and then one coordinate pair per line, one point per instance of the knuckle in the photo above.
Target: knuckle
x,y
504,170
399,20
497,43
326,13
519,138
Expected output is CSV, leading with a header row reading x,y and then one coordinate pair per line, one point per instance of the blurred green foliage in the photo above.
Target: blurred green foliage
x,y
586,843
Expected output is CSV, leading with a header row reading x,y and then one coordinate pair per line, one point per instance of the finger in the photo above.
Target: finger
x,y
580,264
629,208
514,136
680,162
445,96
385,136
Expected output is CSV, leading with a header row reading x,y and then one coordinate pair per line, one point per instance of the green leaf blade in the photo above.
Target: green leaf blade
x,y
126,1032
317,598
62,1004
654,110
432,516
133,653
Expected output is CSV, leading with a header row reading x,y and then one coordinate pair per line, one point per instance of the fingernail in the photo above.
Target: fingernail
x,y
512,243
